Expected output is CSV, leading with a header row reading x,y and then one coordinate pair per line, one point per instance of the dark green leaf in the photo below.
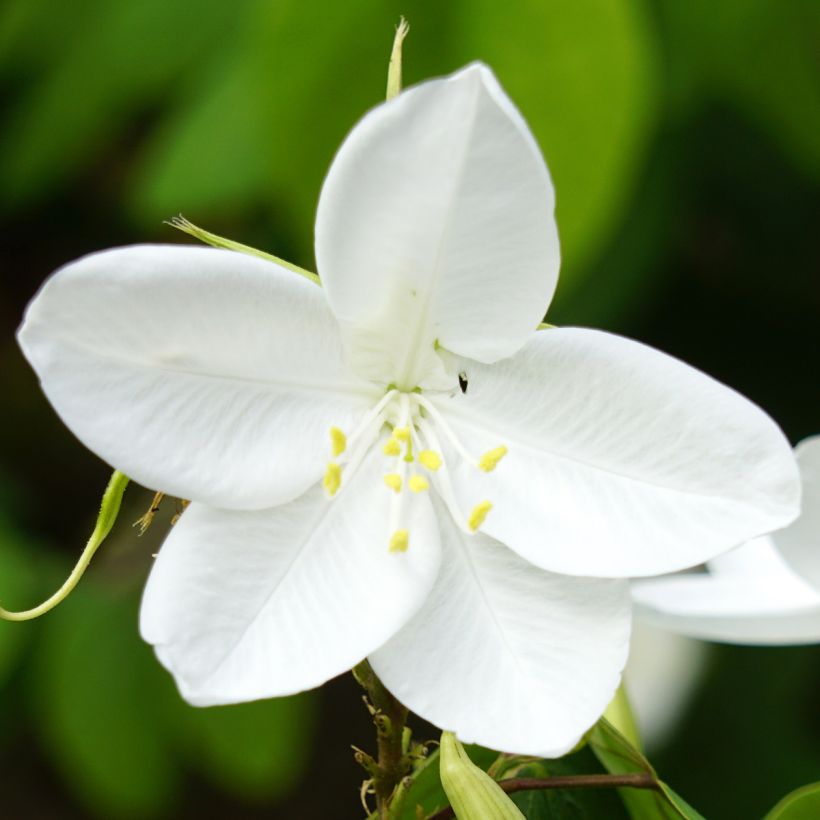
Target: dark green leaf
x,y
98,701
568,804
618,756
19,588
801,804
256,750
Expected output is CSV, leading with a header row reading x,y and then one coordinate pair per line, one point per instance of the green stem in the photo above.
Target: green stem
x,y
392,764
109,509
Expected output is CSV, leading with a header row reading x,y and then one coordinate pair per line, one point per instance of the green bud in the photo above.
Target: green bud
x,y
472,793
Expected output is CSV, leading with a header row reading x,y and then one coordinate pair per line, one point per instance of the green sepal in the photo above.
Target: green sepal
x,y
216,241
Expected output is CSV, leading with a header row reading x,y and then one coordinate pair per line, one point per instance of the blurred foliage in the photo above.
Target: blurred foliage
x,y
803,804
682,138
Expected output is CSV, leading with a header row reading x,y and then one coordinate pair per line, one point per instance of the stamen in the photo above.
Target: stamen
x,y
392,447
478,515
430,459
447,430
338,441
393,480
401,433
443,484
418,483
399,541
490,459
364,425
333,478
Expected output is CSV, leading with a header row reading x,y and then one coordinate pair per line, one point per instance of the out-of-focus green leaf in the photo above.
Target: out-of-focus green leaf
x,y
98,698
256,750
618,756
18,585
801,804
759,56
585,75
111,64
260,128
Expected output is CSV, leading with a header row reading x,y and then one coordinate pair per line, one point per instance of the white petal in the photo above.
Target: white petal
x,y
507,655
800,542
748,597
662,674
211,375
436,222
245,605
622,461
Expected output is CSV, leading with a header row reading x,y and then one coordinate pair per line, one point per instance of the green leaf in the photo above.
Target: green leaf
x,y
98,702
801,804
108,63
618,756
18,585
568,804
715,52
585,76
256,750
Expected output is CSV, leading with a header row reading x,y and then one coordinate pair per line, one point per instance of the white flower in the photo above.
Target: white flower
x,y
309,425
751,595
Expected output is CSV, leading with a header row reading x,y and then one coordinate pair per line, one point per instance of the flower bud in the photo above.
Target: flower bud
x,y
472,793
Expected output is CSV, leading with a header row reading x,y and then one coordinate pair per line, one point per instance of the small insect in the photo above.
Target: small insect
x,y
462,381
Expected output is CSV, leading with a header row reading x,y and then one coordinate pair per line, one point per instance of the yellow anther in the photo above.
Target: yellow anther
x,y
393,480
430,459
418,483
478,515
490,459
392,447
399,541
401,433
333,478
338,441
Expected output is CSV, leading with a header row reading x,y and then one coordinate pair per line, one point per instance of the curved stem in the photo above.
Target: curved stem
x,y
109,508
642,780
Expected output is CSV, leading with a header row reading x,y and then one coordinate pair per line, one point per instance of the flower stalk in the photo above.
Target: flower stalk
x,y
394,761
109,509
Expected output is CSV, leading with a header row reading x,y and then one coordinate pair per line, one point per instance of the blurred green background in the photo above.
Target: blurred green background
x,y
684,141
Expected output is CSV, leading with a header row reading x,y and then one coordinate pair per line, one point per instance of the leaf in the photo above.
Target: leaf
x,y
552,804
801,804
568,804
98,702
109,61
715,51
585,76
18,586
618,756
256,750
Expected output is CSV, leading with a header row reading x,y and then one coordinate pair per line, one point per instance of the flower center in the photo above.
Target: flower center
x,y
414,459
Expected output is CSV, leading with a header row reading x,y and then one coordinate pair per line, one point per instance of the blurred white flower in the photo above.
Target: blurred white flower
x,y
750,595
661,676
307,426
